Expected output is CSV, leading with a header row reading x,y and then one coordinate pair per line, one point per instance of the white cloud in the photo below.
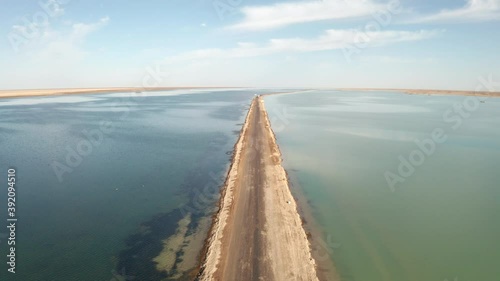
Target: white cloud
x,y
55,56
283,14
80,30
332,39
64,46
474,10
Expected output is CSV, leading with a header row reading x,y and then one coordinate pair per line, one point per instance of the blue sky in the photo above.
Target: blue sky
x,y
308,43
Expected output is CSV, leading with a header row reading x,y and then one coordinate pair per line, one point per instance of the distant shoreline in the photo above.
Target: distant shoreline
x,y
427,92
73,91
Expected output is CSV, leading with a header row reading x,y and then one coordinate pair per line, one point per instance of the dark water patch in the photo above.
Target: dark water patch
x,y
130,179
143,247
201,186
231,112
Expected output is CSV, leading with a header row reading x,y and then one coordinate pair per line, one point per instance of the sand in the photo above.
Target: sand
x,y
454,93
165,261
257,233
428,92
53,92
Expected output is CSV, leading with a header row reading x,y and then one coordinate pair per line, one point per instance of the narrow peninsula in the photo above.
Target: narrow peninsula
x,y
257,233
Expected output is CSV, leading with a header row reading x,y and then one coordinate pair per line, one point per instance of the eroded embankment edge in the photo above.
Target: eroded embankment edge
x,y
319,249
284,174
211,255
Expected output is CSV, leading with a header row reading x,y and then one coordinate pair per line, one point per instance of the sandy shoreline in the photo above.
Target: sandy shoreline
x,y
427,92
454,93
257,233
322,246
213,243
71,91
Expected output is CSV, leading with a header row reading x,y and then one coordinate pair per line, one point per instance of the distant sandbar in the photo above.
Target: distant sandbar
x,y
69,91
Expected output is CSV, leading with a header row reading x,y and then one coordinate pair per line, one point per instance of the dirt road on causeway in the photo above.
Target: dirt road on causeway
x,y
257,233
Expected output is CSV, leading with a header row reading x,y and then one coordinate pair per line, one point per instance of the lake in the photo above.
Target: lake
x,y
402,187
116,186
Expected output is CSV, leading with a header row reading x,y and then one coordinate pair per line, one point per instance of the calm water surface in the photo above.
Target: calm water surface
x,y
157,160
438,223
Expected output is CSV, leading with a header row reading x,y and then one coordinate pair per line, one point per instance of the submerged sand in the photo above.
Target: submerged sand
x,y
257,233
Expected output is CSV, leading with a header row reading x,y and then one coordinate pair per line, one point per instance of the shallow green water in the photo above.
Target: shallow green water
x,y
438,223
156,156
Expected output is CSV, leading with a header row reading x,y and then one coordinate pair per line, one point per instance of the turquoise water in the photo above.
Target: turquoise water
x,y
152,160
436,222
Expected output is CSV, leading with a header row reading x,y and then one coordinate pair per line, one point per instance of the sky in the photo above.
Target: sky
x,y
424,44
